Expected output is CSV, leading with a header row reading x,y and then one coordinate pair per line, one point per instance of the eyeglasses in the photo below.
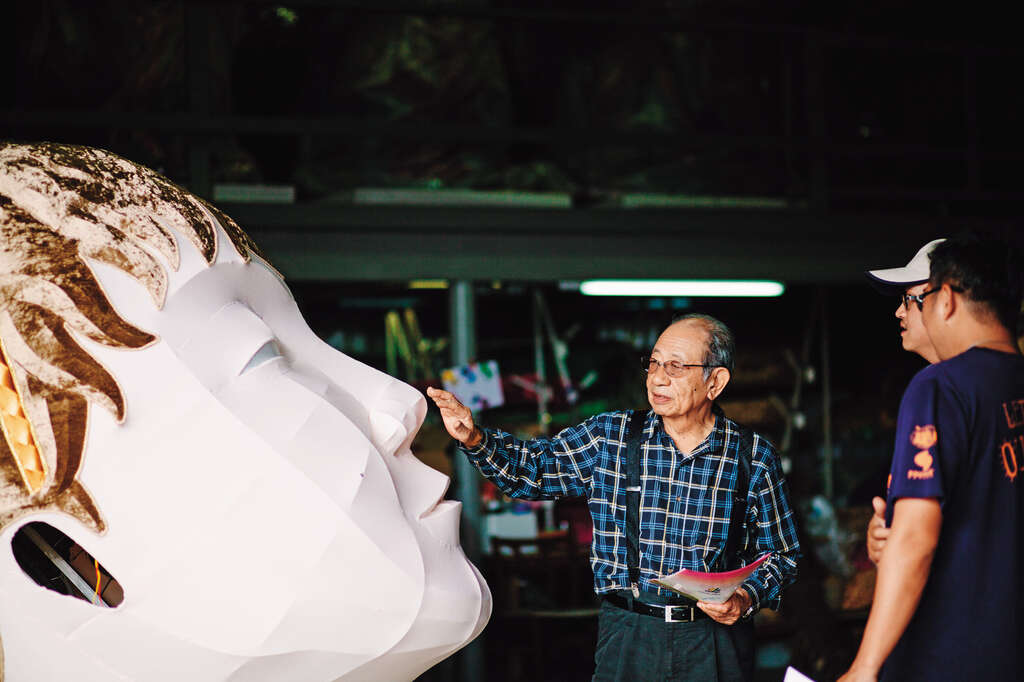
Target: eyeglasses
x,y
919,298
672,368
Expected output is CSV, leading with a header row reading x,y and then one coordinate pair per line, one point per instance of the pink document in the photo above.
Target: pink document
x,y
715,588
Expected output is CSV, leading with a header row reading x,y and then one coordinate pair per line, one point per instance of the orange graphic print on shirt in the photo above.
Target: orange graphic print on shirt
x,y
1008,452
923,437
1010,449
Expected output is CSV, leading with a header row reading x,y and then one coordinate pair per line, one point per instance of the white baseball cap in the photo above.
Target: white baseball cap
x,y
914,272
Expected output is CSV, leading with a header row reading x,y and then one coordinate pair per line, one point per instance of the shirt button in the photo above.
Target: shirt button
x,y
679,498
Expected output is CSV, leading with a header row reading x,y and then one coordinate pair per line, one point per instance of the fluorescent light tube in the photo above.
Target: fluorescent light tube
x,y
682,287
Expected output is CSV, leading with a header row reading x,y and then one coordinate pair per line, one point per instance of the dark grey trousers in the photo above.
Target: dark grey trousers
x,y
636,648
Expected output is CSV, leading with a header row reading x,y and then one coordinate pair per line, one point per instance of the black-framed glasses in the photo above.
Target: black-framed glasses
x,y
673,368
919,298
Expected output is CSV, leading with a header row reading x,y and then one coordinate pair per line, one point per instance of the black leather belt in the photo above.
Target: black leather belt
x,y
671,614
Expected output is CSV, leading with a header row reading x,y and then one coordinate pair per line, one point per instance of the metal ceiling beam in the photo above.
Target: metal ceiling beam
x,y
193,124
342,243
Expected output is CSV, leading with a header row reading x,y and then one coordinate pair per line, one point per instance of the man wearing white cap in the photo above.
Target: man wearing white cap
x,y
949,595
907,282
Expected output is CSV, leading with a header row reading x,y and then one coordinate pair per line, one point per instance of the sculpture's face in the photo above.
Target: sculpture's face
x,y
262,510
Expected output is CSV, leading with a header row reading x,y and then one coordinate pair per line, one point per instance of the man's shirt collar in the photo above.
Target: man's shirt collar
x,y
712,443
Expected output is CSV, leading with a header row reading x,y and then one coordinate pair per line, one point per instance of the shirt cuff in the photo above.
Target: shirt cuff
x,y
753,589
479,449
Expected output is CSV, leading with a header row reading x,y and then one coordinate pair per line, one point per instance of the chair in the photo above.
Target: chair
x,y
542,591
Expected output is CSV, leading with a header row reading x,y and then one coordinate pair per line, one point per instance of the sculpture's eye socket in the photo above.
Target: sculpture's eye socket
x,y
264,354
58,563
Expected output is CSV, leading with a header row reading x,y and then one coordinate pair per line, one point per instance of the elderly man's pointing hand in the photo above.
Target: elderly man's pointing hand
x,y
458,419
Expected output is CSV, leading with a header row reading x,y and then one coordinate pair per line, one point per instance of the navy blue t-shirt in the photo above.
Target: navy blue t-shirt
x,y
960,439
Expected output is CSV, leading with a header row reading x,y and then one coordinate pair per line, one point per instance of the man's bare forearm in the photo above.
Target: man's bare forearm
x,y
902,574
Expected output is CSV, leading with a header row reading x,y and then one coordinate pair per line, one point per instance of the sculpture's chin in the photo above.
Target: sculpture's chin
x,y
448,622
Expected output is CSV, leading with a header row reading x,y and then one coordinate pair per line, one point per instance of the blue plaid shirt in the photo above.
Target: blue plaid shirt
x,y
684,508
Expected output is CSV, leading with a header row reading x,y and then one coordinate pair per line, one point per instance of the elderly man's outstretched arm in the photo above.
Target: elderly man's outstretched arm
x,y
539,468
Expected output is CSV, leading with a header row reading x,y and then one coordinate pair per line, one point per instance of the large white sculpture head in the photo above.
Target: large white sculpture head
x,y
166,407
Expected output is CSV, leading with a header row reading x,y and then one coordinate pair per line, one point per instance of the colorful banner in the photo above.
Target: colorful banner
x,y
476,385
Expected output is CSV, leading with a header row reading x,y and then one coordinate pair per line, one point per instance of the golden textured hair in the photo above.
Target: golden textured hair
x,y
61,207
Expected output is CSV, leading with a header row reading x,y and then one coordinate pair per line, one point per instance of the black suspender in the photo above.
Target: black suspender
x,y
634,436
735,543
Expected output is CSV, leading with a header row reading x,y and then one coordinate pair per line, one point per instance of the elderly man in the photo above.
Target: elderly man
x,y
907,282
949,597
676,515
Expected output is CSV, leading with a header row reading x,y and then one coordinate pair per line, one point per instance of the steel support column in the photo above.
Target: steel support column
x,y
462,320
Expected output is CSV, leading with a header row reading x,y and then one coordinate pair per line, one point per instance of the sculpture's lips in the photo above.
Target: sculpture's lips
x,y
443,521
439,504
441,508
431,489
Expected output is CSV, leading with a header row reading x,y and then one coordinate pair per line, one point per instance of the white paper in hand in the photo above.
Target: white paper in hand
x,y
794,675
714,588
